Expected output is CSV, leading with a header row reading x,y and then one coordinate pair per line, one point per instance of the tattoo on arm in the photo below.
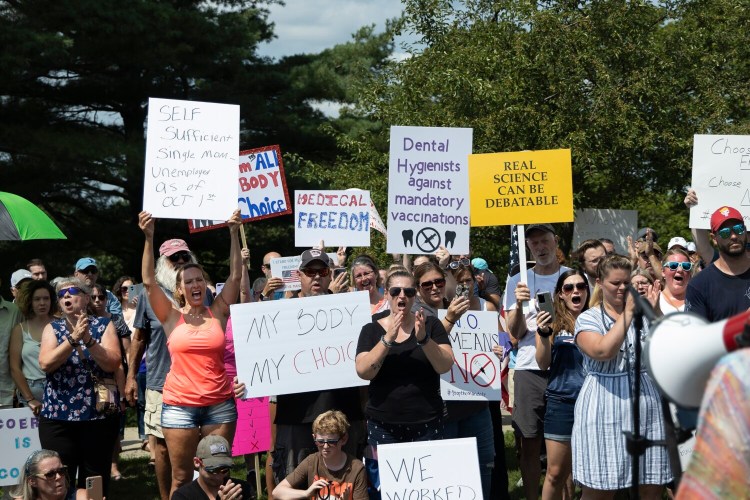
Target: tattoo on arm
x,y
376,366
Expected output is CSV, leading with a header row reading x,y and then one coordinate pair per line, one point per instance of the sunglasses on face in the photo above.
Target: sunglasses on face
x,y
426,285
218,470
62,471
455,264
674,266
72,290
738,229
184,256
98,297
568,287
124,289
88,270
330,442
312,272
395,291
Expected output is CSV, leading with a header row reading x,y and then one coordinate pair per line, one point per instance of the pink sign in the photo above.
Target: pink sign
x,y
253,433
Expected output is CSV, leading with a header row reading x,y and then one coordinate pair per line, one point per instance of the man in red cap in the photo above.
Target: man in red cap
x,y
722,290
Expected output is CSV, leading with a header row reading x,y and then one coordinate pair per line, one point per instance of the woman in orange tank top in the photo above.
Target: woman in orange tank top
x,y
198,398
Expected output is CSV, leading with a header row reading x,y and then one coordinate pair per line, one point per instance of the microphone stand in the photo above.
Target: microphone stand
x,y
635,444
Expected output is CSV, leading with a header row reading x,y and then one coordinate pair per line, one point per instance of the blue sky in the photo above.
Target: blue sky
x,y
309,26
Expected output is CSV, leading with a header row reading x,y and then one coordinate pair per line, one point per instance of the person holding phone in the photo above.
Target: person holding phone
x,y
556,351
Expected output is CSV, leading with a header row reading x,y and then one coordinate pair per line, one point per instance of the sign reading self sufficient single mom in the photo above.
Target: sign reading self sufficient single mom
x,y
525,187
191,159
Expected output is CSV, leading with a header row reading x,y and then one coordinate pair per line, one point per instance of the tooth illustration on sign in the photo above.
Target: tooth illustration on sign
x,y
450,238
408,235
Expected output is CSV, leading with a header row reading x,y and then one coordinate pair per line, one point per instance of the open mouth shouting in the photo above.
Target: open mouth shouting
x,y
576,299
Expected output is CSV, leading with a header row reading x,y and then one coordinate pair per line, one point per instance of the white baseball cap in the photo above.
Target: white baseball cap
x,y
677,241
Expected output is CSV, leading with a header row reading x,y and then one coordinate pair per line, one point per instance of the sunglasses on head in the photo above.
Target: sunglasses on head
x,y
426,285
674,266
311,272
72,290
184,256
62,471
395,291
331,442
455,264
738,229
218,470
580,286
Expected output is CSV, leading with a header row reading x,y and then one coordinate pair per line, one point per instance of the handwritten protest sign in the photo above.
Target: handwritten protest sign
x,y
287,268
261,186
446,469
19,436
337,217
191,159
253,432
721,176
524,187
300,345
428,190
376,222
595,223
475,374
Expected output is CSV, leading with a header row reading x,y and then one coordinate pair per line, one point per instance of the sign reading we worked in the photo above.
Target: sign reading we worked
x,y
524,187
299,345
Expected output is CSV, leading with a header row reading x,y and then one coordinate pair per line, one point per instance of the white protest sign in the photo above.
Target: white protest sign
x,y
191,159
445,469
287,268
299,345
261,185
428,190
340,218
376,222
19,437
721,176
475,374
596,223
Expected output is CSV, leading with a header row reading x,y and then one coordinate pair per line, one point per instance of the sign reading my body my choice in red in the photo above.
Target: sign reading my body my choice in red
x,y
262,191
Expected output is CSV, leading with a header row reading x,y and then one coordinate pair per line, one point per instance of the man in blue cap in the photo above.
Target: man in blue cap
x,y
87,271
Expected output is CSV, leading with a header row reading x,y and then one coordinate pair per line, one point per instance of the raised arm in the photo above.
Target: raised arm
x,y
605,347
700,236
231,288
161,305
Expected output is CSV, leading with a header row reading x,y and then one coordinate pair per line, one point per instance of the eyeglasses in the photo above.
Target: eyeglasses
x,y
363,276
395,291
426,285
72,290
640,283
330,442
455,264
738,229
580,286
98,297
674,266
218,470
312,272
177,256
62,472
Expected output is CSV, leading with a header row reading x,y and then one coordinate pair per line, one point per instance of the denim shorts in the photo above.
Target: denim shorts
x,y
558,420
188,417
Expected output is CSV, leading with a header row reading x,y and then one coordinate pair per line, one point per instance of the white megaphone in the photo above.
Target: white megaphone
x,y
683,348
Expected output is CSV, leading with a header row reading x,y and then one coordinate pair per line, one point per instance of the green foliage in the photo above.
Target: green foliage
x,y
623,84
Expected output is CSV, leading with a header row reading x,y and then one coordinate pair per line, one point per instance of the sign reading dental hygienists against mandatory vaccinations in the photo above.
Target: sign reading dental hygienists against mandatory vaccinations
x,y
191,159
19,437
595,223
428,190
525,187
721,176
430,470
261,186
301,345
340,218
475,374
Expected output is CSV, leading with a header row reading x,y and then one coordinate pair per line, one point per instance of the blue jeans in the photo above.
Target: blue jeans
x,y
478,426
385,433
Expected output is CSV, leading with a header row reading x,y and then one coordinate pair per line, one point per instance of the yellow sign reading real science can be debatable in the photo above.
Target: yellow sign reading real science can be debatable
x,y
524,187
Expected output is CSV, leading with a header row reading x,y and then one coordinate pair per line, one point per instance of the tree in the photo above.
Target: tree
x,y
623,84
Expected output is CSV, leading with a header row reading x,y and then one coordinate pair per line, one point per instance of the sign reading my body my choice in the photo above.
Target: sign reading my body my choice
x,y
191,159
428,190
721,176
524,187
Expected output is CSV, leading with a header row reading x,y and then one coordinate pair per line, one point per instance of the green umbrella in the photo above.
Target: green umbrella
x,y
21,220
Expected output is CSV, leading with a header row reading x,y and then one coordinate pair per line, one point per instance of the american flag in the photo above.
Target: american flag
x,y
503,336
290,276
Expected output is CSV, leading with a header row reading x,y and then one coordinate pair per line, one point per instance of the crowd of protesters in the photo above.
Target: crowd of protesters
x,y
165,349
